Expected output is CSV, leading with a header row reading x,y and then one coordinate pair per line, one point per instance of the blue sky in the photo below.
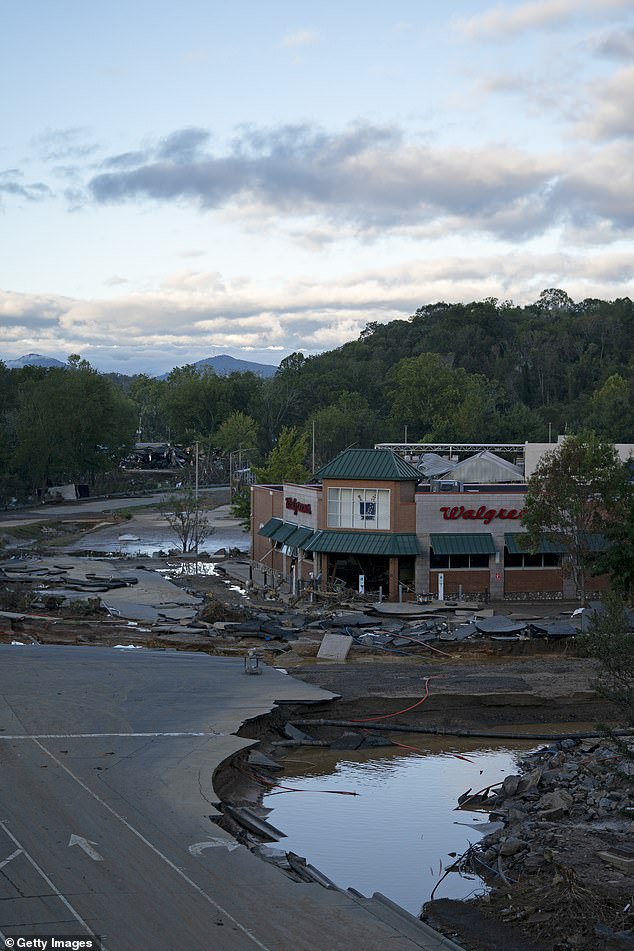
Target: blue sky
x,y
184,179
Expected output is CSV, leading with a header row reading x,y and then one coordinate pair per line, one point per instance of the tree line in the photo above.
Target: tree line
x,y
487,370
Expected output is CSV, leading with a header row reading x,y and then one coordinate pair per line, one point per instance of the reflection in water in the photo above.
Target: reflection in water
x,y
395,836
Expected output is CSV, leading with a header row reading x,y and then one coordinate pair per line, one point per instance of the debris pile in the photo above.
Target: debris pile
x,y
560,857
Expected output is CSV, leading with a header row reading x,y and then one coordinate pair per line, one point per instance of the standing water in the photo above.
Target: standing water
x,y
401,830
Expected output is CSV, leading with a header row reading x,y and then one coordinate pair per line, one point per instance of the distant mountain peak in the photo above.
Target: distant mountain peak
x,y
223,365
33,360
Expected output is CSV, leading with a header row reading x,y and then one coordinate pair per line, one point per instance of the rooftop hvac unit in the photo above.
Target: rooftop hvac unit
x,y
446,485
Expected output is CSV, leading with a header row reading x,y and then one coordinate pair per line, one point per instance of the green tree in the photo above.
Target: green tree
x,y
147,394
237,431
70,424
286,462
241,506
346,422
437,401
618,560
193,403
575,489
610,641
611,413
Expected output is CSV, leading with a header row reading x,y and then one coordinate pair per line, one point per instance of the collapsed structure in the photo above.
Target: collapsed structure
x,y
409,521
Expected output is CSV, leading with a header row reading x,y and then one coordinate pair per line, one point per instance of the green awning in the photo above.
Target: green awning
x,y
364,543
462,543
286,533
299,537
517,545
593,541
283,532
596,542
270,528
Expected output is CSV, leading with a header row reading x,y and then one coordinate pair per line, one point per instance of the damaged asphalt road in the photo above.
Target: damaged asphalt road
x,y
107,806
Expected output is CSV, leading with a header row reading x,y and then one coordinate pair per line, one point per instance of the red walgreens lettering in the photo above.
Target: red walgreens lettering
x,y
297,506
452,512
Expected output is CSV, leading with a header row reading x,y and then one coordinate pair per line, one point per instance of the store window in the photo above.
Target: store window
x,y
440,562
530,560
359,508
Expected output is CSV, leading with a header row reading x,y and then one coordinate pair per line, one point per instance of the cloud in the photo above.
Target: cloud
x,y
617,45
366,175
56,145
11,184
610,114
193,313
183,145
503,21
299,38
600,187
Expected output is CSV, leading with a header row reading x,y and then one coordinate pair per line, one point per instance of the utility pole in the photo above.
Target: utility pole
x,y
196,511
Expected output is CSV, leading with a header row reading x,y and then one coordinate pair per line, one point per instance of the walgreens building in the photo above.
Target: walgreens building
x,y
371,516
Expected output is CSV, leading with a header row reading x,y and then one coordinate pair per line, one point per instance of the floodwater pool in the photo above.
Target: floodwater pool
x,y
401,830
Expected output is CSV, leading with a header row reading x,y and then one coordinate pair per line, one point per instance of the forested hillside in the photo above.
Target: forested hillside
x,y
482,371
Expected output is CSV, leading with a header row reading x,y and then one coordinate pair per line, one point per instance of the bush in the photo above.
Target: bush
x,y
611,643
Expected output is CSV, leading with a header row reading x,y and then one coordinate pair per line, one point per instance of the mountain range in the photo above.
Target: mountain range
x,y
223,365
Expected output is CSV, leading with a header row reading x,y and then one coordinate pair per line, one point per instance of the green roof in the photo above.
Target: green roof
x,y
462,543
270,528
364,543
369,464
517,545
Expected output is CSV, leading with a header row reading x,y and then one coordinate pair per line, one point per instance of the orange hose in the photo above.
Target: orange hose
x,y
386,716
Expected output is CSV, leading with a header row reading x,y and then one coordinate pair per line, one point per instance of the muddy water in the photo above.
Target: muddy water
x,y
396,835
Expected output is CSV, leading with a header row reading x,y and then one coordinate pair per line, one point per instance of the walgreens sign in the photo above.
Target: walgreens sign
x,y
295,506
483,514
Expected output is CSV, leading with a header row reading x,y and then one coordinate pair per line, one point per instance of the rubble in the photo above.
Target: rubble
x,y
561,866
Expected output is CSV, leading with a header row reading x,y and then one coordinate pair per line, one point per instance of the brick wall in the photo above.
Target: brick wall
x,y
520,580
473,580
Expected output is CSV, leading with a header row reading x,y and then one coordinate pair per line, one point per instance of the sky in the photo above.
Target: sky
x,y
184,179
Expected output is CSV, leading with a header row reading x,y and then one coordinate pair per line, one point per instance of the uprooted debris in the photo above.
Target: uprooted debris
x,y
561,866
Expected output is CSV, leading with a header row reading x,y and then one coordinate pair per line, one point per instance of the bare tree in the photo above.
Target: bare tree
x,y
187,519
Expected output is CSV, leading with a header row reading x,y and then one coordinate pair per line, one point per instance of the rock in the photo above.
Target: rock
x,y
510,785
558,799
511,845
530,781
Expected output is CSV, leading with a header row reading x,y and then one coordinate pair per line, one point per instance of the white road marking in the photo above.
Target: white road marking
x,y
86,846
50,884
92,736
198,847
246,931
11,857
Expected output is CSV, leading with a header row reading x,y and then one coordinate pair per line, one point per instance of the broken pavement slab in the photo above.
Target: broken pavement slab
x,y
335,647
